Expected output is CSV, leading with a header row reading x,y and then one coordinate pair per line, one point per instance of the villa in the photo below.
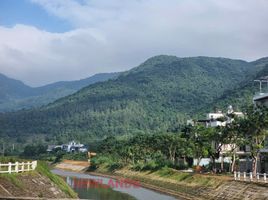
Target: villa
x,y
71,147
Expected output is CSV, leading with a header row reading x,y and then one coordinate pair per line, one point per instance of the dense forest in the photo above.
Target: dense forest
x,y
175,150
155,97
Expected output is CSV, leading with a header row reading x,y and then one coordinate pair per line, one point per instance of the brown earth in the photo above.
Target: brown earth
x,y
73,165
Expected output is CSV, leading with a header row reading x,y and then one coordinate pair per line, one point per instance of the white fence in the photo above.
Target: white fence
x,y
238,176
17,167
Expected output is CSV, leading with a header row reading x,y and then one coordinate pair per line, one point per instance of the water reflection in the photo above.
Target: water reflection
x,y
92,189
101,188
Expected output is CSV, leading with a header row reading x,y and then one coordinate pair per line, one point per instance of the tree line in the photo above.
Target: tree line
x,y
177,150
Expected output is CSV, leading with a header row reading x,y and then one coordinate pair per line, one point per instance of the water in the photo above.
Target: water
x,y
89,187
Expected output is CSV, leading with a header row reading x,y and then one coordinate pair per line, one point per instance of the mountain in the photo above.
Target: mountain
x,y
15,95
157,96
12,88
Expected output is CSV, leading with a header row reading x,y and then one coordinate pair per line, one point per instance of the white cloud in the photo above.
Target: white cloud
x,y
116,35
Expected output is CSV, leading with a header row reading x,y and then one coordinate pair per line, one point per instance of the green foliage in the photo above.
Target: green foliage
x,y
155,97
143,152
108,162
13,178
75,156
175,150
15,95
34,151
7,159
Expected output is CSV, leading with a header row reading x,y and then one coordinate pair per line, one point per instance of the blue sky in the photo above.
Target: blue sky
x,y
43,41
14,12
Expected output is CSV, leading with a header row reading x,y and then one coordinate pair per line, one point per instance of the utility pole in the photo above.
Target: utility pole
x,y
262,80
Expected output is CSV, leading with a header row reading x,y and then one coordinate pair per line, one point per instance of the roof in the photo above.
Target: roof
x,y
260,96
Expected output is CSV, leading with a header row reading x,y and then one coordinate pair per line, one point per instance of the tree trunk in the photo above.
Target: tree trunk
x,y
255,164
198,161
213,164
222,163
184,160
233,163
171,155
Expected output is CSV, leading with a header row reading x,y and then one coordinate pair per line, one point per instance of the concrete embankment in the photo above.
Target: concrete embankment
x,y
37,184
182,185
197,186
29,185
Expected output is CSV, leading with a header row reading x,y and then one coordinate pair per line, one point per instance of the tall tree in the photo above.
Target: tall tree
x,y
254,128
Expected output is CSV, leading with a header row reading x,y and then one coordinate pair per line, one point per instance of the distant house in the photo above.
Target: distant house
x,y
219,118
51,148
216,119
74,147
70,147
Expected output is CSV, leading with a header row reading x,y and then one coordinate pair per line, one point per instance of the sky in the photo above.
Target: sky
x,y
44,41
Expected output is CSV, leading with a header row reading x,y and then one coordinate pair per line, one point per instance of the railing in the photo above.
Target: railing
x,y
17,167
238,176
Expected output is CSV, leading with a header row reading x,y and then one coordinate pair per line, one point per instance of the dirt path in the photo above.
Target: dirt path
x,y
71,165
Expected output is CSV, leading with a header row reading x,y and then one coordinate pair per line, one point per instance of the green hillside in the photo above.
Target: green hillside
x,y
15,95
157,96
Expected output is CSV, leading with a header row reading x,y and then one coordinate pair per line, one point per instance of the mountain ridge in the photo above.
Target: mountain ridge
x,y
157,96
15,95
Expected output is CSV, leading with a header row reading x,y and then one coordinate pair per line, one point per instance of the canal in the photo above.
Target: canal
x,y
101,188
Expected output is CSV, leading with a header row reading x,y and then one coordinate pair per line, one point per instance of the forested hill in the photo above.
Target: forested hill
x,y
15,95
156,96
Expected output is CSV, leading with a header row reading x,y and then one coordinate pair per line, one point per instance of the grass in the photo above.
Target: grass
x,y
43,169
189,178
167,174
168,178
13,178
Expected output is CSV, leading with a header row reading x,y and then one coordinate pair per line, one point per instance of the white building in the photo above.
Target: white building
x,y
216,119
261,98
70,147
219,118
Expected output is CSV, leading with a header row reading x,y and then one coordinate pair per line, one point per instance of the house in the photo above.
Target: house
x,y
70,147
242,152
74,147
51,148
261,98
219,118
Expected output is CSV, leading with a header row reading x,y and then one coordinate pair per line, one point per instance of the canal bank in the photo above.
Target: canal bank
x,y
144,184
182,185
37,184
191,185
